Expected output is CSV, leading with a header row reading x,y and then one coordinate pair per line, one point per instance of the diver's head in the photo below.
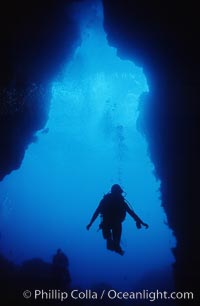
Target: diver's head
x,y
116,189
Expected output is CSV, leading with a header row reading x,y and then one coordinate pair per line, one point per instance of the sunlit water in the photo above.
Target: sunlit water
x,y
90,142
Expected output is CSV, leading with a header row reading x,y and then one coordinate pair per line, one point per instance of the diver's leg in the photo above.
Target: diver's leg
x,y
106,230
117,232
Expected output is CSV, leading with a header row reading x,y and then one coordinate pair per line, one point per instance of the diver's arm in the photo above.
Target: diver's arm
x,y
138,221
95,215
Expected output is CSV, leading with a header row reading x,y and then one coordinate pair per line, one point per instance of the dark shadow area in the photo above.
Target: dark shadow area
x,y
36,39
38,36
34,274
49,282
163,37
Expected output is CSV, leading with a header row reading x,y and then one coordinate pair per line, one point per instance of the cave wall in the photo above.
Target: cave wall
x,y
163,38
37,37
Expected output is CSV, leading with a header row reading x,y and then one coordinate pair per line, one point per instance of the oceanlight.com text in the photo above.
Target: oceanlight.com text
x,y
40,294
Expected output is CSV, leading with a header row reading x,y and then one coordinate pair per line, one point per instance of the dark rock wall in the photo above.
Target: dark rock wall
x,y
163,38
37,37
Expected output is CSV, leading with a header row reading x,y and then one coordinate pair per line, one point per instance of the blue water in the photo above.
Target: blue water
x,y
90,142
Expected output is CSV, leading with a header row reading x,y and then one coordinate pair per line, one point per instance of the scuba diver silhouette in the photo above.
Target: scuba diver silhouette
x,y
113,208
60,266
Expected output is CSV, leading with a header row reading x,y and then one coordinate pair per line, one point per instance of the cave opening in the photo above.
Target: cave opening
x,y
90,141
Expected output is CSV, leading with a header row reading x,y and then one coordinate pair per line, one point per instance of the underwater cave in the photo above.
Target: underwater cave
x,y
93,97
90,141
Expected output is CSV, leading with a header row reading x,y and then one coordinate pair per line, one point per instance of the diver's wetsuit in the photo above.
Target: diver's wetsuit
x,y
113,210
